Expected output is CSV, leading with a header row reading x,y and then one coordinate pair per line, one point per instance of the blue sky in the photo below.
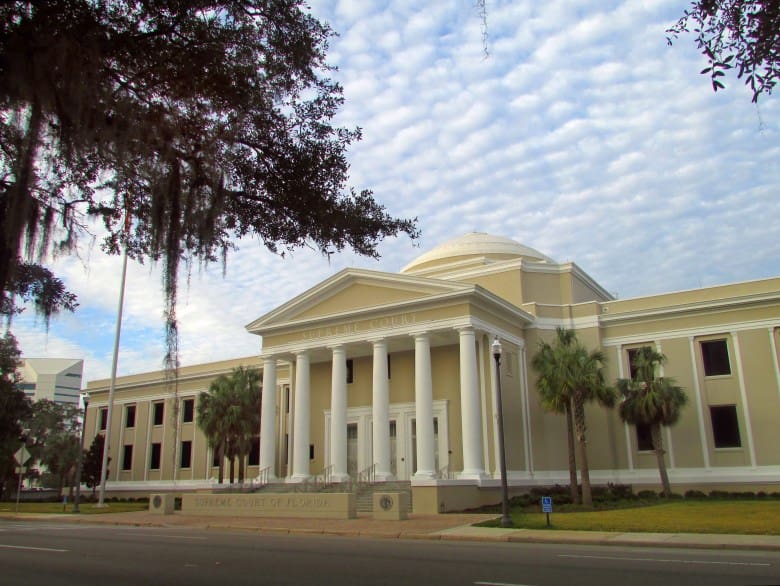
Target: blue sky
x,y
581,134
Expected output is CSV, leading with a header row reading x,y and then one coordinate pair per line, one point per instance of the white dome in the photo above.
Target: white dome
x,y
475,244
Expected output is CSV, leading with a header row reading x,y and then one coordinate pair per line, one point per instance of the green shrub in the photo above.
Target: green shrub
x,y
695,494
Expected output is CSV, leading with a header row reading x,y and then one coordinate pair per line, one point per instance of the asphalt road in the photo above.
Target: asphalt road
x,y
53,554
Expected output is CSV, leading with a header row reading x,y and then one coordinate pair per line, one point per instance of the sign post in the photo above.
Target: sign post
x,y
547,507
21,456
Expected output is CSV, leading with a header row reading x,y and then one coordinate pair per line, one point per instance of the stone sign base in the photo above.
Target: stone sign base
x,y
392,506
329,505
162,504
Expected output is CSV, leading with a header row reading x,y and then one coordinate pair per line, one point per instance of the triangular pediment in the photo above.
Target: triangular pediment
x,y
353,291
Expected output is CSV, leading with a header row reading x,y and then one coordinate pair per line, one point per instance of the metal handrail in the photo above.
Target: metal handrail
x,y
367,475
263,476
324,477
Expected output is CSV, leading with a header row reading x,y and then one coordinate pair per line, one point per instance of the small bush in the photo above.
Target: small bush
x,y
647,495
695,494
719,494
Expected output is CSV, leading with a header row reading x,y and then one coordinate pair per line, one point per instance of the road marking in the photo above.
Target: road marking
x,y
667,561
136,534
499,584
33,548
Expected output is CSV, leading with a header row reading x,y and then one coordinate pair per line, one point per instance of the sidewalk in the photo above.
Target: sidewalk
x,y
448,527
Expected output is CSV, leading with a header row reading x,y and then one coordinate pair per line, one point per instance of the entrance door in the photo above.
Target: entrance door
x,y
393,448
352,449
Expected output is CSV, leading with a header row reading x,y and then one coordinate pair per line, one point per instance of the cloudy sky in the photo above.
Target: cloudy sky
x,y
581,134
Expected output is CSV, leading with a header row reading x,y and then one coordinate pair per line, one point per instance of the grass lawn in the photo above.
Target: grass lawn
x,y
759,517
87,508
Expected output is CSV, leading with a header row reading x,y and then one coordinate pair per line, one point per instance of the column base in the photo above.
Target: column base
x,y
424,475
298,478
268,479
339,477
383,476
473,475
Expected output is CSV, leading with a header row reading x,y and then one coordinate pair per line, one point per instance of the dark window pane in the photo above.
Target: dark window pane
x,y
188,411
644,438
159,409
215,457
130,416
254,452
127,458
725,427
154,458
103,419
715,356
186,454
350,370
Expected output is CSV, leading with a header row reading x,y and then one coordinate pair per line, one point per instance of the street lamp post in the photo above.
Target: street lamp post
x,y
505,520
85,398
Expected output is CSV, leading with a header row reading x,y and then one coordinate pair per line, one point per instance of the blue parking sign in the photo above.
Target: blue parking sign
x,y
546,504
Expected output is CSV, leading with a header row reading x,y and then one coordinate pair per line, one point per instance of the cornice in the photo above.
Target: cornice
x,y
696,307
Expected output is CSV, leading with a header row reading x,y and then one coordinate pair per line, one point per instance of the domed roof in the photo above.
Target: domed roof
x,y
475,244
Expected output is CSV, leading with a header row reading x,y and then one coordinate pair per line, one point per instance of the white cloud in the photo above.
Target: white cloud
x,y
582,134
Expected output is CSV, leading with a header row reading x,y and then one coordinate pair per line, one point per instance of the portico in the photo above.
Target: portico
x,y
352,412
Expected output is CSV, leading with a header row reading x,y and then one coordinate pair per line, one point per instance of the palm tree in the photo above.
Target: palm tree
x,y
578,376
229,415
652,401
554,399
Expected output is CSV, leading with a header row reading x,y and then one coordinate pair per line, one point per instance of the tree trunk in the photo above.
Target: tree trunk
x,y
221,462
658,447
573,489
241,470
582,444
232,468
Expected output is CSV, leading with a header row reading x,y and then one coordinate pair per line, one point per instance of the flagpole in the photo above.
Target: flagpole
x,y
104,467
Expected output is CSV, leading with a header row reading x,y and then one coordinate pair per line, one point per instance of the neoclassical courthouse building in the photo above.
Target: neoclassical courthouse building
x,y
392,376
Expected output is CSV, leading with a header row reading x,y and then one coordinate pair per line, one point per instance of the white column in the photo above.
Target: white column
x,y
473,466
381,413
338,415
423,398
743,395
301,419
705,452
627,433
268,418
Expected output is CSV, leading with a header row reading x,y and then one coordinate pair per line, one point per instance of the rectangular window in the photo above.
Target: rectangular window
x,y
127,458
350,370
632,370
286,449
188,410
715,356
725,426
103,419
159,410
254,451
644,438
311,451
130,416
186,454
215,457
286,399
388,367
154,456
